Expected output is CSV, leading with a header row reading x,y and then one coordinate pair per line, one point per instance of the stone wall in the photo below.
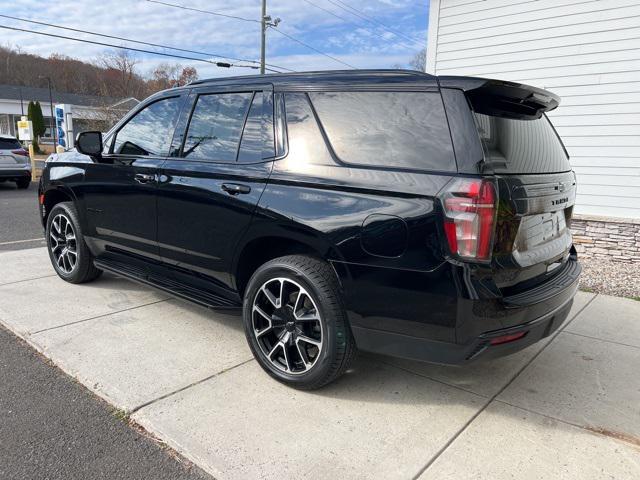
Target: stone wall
x,y
608,238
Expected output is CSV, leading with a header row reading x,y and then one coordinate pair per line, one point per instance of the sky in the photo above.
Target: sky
x,y
373,34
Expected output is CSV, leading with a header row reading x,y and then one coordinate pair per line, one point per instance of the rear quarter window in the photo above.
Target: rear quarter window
x,y
406,130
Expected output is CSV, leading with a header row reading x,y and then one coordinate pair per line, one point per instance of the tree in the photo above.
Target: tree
x,y
34,113
120,78
419,61
168,75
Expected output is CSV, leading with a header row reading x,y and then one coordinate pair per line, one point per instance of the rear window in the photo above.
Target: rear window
x,y
387,129
9,144
521,146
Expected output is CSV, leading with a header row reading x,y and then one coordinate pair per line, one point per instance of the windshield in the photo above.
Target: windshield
x,y
521,146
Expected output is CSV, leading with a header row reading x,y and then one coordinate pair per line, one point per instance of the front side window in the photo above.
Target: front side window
x,y
149,132
389,129
216,126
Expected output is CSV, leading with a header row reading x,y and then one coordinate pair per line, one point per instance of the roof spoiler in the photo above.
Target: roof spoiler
x,y
503,99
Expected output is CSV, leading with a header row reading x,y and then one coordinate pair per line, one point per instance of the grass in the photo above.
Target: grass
x,y
120,414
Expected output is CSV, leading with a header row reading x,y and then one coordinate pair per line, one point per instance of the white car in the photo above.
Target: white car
x,y
15,164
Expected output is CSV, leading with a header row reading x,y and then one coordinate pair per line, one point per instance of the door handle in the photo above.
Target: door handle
x,y
235,188
144,178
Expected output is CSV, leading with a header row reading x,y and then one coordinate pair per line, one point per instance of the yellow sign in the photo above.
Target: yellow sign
x,y
25,130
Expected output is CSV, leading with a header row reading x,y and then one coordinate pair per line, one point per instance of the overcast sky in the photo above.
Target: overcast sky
x,y
354,40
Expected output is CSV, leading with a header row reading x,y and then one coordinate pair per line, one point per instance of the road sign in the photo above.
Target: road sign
x,y
25,130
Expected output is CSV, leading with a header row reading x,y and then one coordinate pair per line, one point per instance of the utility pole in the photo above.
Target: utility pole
x,y
265,22
263,46
54,130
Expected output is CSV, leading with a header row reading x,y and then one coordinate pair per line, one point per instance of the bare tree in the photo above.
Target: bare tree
x,y
120,76
419,61
168,75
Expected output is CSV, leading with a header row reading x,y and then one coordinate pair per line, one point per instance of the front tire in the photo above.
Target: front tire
x,y
68,251
295,322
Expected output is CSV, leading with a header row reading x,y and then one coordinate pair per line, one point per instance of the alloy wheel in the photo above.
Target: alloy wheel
x,y
287,325
63,244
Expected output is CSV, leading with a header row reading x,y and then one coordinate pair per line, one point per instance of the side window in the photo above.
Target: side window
x,y
149,132
391,129
306,144
216,126
257,137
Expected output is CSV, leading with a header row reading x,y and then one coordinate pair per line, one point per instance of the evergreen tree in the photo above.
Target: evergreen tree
x,y
34,113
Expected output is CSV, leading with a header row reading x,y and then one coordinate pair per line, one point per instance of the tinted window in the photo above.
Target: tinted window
x,y
257,137
9,144
521,146
149,132
391,129
306,144
215,127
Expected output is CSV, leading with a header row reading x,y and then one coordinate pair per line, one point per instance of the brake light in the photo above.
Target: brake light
x,y
507,338
21,151
470,217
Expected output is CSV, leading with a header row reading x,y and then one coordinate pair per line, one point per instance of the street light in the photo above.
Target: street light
x,y
53,119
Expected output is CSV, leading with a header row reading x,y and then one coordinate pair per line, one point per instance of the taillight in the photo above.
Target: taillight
x,y
470,216
21,151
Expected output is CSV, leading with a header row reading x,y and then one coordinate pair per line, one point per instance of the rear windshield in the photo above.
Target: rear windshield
x,y
387,129
521,146
9,144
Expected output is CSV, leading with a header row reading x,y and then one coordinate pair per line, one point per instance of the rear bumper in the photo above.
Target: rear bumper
x,y
14,172
546,308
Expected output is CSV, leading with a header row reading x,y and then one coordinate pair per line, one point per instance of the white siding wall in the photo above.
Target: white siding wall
x,y
586,51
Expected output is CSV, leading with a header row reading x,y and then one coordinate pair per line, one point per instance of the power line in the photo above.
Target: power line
x,y
358,13
313,48
93,42
184,7
249,20
136,41
348,21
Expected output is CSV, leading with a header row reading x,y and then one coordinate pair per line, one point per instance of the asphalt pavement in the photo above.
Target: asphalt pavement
x,y
52,427
20,225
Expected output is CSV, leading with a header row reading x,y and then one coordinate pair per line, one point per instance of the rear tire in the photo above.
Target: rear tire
x,y
23,183
68,251
295,322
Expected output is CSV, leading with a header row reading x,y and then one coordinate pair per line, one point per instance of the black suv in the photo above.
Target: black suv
x,y
394,212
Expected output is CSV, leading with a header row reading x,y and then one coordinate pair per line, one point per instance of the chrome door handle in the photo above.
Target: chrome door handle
x,y
235,188
144,178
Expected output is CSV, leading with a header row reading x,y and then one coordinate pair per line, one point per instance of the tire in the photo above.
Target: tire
x,y
62,225
23,183
309,335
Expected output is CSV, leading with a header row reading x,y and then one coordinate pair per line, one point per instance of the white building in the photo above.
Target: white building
x,y
588,52
88,111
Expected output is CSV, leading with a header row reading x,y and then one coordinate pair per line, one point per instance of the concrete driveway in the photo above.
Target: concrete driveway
x,y
565,408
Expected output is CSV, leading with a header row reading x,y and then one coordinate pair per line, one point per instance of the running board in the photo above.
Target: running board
x,y
140,275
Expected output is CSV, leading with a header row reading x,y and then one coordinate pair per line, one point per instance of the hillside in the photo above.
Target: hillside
x,y
114,74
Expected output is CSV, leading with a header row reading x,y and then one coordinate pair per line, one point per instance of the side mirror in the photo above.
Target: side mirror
x,y
89,143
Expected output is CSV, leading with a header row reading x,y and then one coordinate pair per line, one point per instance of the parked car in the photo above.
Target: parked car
x,y
15,165
392,212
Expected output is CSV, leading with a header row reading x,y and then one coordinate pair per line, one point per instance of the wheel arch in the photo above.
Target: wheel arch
x,y
52,197
257,250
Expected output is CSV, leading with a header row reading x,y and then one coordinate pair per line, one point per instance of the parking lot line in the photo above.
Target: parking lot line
x,y
14,242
